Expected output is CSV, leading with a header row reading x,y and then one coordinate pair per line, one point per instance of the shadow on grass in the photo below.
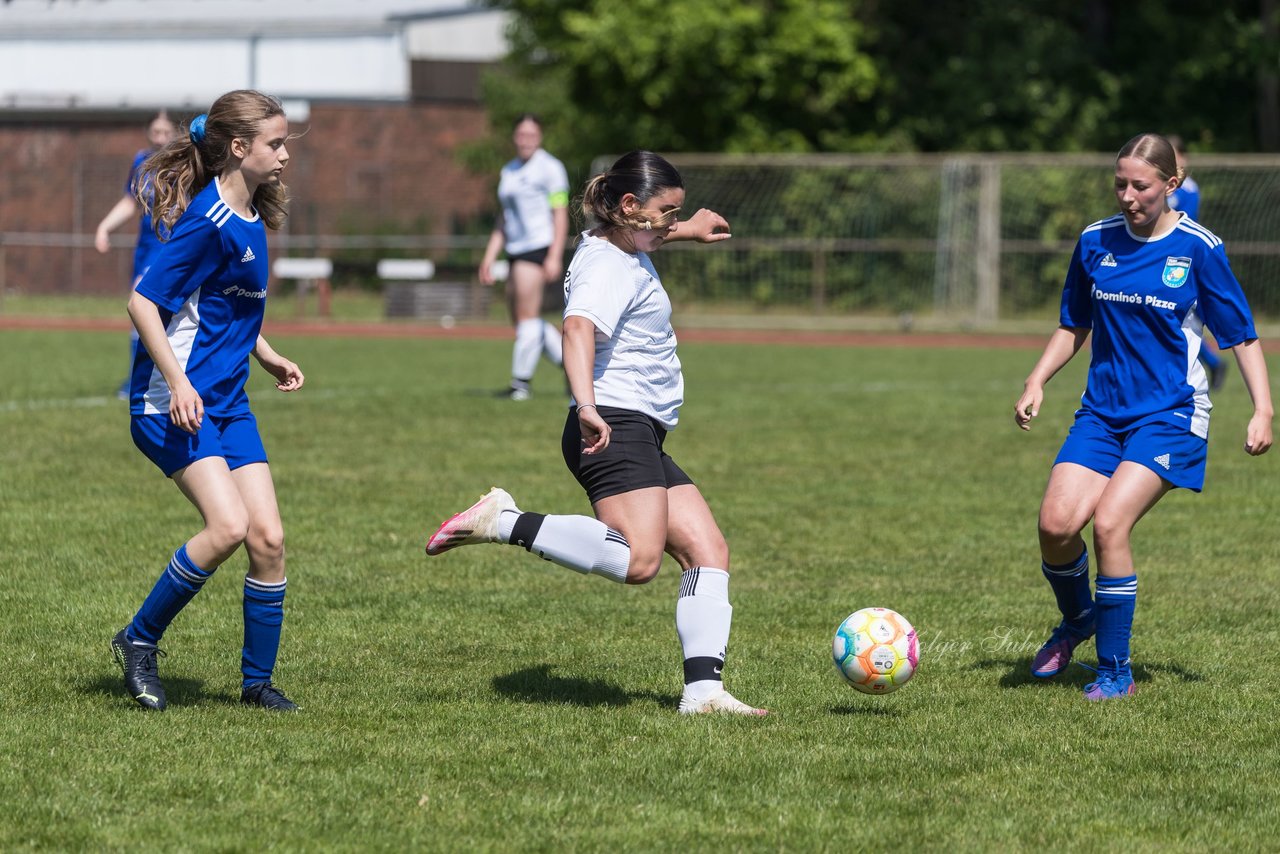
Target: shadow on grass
x,y
178,691
1018,673
540,685
870,709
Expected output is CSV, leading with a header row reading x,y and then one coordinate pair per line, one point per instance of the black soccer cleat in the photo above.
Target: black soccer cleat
x,y
267,696
141,679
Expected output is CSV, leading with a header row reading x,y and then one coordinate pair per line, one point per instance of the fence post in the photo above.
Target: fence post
x,y
987,298
819,283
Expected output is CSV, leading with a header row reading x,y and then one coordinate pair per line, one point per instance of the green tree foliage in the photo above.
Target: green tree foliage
x,y
862,75
691,75
1041,75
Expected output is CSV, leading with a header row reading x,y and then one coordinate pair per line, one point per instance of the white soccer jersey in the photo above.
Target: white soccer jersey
x,y
529,190
636,366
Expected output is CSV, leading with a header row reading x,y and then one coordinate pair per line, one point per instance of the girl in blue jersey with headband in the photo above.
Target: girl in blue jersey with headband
x,y
1146,283
198,310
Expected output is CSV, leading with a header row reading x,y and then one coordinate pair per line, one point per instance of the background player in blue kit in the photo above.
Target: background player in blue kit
x,y
159,133
1145,283
198,310
533,227
620,357
1187,199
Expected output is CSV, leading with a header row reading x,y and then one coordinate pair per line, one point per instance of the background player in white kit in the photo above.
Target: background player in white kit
x,y
533,227
620,358
1145,283
198,310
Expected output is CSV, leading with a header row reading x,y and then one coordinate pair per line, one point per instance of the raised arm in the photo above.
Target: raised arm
x,y
1063,344
705,226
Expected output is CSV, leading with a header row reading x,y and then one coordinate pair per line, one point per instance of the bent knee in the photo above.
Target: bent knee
x,y
642,570
266,540
1108,530
228,532
1057,527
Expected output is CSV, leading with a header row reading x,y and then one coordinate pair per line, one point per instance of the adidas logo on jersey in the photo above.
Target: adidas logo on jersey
x,y
1109,260
248,255
1163,461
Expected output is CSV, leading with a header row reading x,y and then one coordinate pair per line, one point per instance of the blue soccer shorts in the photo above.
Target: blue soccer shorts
x,y
1171,451
235,438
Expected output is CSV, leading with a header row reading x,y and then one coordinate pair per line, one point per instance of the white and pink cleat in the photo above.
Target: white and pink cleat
x,y
477,524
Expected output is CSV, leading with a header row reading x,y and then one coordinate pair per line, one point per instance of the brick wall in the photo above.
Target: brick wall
x,y
359,169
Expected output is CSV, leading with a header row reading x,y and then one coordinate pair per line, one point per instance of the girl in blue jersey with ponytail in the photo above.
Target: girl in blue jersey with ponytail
x,y
1145,283
198,310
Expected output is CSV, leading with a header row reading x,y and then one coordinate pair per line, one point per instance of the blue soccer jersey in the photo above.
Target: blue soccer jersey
x,y
148,244
1147,301
210,282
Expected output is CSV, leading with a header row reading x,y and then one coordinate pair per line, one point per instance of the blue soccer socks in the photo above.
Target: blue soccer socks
x,y
1117,599
1070,583
177,585
263,617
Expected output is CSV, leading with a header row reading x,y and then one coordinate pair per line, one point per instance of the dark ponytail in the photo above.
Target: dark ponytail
x,y
643,174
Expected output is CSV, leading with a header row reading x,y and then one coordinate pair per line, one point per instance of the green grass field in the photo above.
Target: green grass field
x,y
486,700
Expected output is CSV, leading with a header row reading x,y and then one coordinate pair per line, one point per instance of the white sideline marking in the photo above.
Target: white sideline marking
x,y
39,404
54,403
871,387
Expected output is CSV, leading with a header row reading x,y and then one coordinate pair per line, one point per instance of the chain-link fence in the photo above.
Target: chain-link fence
x,y
967,238
957,239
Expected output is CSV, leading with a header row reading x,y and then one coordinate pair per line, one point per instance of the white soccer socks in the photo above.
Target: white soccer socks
x,y
527,350
580,543
703,615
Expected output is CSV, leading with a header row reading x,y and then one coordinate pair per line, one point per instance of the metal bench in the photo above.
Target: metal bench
x,y
308,273
411,292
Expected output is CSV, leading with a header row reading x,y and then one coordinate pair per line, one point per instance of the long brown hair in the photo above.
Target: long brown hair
x,y
171,178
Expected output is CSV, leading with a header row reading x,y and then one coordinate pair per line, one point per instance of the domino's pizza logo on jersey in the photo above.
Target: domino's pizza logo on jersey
x,y
1176,271
237,291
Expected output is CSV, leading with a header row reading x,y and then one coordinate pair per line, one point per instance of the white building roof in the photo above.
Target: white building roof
x,y
147,53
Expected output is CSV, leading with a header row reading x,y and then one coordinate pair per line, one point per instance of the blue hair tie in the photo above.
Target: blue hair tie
x,y
196,128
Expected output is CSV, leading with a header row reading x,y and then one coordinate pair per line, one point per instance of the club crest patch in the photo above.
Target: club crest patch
x,y
1176,271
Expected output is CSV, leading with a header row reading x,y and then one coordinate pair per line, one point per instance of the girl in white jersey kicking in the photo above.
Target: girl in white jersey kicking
x,y
1146,283
533,226
620,358
198,310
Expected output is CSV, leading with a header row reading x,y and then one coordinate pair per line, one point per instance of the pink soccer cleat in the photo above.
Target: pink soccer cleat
x,y
477,524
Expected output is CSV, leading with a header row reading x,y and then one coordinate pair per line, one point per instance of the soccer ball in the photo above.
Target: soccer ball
x,y
876,650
